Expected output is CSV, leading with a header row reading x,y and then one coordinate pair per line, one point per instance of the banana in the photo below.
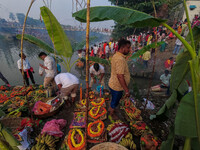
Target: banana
x,y
33,148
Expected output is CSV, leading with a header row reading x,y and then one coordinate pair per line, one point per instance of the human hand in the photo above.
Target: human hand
x,y
95,81
41,65
127,94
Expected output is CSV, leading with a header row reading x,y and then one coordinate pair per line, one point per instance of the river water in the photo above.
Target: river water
x,y
9,55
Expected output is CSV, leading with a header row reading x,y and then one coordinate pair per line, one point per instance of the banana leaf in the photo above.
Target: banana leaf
x,y
99,60
185,122
57,34
37,42
81,44
180,69
145,48
7,136
121,15
168,144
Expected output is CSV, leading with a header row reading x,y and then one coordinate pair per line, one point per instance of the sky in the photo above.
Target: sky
x,y
62,9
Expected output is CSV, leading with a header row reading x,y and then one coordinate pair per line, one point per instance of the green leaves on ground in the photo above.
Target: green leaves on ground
x,y
145,48
57,34
185,122
180,69
37,42
121,15
164,111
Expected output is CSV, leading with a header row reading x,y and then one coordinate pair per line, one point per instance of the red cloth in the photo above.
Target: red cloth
x,y
54,127
92,53
31,69
104,48
168,63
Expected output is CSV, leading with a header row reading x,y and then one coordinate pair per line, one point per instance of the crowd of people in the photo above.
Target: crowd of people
x,y
66,84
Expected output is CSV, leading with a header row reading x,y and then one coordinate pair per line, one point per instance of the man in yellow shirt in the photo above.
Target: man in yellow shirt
x,y
146,56
120,75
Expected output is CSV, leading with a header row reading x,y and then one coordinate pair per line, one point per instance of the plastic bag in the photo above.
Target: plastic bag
x,y
41,70
149,105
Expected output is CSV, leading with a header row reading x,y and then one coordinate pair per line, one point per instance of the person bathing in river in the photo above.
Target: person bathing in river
x,y
67,85
50,70
97,72
28,70
165,83
120,75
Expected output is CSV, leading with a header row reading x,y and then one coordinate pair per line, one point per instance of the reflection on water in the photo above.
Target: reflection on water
x,y
9,55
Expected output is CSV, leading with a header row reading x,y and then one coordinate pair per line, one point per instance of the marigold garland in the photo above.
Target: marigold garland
x,y
83,102
100,129
98,104
96,115
71,142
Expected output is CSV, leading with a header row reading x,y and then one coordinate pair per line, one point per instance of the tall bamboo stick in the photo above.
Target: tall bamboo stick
x,y
24,25
87,64
154,61
87,47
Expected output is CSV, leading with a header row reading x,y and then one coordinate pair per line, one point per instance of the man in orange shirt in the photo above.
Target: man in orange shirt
x,y
120,75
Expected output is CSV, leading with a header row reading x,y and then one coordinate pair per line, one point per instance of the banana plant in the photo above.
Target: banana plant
x,y
187,117
61,45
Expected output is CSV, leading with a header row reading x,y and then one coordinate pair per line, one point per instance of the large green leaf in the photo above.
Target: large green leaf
x,y
164,111
185,122
8,137
169,143
80,45
195,144
57,34
196,32
99,60
145,48
37,42
172,99
179,70
121,15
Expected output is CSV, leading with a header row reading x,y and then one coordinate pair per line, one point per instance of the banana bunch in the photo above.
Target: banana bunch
x,y
45,142
128,143
113,124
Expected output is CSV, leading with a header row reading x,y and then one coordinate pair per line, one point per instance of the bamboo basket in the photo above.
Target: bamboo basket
x,y
12,123
52,112
108,146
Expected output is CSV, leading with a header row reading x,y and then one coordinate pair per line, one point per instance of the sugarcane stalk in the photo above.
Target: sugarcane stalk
x,y
87,65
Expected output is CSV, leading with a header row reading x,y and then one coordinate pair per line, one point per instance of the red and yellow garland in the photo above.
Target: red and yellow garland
x,y
71,142
100,128
98,104
97,115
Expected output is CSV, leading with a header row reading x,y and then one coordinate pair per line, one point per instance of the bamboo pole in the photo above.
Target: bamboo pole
x,y
22,68
87,64
154,61
24,25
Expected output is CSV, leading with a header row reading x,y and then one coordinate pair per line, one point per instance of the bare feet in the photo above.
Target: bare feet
x,y
112,114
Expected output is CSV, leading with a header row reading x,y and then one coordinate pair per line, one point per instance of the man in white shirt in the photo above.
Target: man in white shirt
x,y
107,49
67,84
50,69
97,72
28,70
95,50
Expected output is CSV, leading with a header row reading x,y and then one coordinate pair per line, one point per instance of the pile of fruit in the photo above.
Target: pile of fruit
x,y
45,142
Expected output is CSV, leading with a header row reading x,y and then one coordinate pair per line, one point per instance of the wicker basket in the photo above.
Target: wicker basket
x,y
51,113
108,146
12,123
